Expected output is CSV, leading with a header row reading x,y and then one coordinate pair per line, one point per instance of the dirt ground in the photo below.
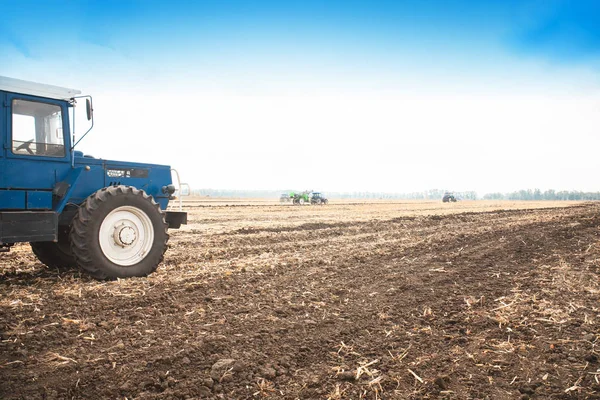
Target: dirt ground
x,y
380,300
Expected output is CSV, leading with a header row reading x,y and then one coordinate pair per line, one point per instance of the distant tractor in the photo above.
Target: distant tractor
x,y
106,217
449,198
285,198
306,197
318,198
301,198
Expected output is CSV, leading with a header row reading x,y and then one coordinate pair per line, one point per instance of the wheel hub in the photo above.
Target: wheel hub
x,y
124,235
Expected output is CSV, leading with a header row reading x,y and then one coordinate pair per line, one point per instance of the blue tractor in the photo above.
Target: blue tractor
x,y
106,217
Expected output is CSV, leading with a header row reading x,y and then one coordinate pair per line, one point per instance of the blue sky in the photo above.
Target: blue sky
x,y
355,74
294,38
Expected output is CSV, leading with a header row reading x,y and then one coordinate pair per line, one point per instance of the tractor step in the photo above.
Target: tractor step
x,y
28,226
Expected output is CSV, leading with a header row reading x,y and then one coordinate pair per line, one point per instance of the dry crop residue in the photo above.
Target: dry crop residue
x,y
318,303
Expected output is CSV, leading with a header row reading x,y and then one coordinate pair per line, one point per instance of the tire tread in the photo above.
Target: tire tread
x,y
81,227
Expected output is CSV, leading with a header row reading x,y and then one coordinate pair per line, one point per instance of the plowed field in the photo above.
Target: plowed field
x,y
366,300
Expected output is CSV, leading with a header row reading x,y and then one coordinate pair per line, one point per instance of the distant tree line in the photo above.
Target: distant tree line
x,y
537,194
432,194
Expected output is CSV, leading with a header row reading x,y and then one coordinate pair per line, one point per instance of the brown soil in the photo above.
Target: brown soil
x,y
314,303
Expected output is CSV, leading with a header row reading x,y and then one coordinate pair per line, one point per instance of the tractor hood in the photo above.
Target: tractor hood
x,y
153,179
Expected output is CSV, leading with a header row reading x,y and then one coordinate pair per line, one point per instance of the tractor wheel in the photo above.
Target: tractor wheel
x,y
55,254
119,232
325,201
301,201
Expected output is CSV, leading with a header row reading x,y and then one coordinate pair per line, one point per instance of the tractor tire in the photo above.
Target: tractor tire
x,y
301,201
119,232
325,201
55,254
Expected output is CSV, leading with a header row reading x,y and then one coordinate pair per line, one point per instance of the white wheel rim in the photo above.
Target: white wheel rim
x,y
126,235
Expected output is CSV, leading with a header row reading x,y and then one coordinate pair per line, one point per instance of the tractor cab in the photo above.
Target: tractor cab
x,y
37,129
50,194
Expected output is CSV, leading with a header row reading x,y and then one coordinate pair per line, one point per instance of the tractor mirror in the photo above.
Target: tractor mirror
x,y
88,108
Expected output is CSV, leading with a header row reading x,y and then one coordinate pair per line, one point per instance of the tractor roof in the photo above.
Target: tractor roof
x,y
36,89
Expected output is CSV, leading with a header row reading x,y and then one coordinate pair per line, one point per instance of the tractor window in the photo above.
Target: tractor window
x,y
37,129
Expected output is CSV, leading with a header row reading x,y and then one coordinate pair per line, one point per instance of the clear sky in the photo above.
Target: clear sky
x,y
394,96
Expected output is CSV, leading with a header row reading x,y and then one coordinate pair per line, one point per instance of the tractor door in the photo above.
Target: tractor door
x,y
37,153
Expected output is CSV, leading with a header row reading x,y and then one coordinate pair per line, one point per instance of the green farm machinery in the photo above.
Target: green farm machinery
x,y
301,198
306,197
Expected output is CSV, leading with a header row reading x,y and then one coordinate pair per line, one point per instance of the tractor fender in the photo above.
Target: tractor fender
x,y
64,188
